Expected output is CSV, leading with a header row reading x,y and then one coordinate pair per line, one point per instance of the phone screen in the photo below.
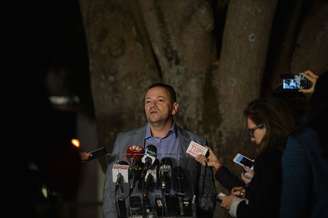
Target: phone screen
x,y
244,161
290,84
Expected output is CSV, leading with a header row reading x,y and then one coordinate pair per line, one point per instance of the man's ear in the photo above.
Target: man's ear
x,y
175,108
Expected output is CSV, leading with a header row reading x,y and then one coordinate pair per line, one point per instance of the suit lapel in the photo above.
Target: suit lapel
x,y
139,136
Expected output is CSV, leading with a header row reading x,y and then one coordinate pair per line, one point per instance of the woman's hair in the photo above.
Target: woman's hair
x,y
276,117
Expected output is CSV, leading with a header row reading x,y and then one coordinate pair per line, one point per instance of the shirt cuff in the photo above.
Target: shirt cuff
x,y
234,206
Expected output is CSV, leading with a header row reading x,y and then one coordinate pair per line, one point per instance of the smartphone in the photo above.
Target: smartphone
x,y
97,153
292,82
244,161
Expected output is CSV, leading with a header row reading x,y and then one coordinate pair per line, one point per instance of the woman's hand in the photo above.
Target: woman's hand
x,y
227,201
312,77
238,191
247,175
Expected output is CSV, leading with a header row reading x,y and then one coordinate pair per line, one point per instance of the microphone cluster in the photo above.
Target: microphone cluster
x,y
155,188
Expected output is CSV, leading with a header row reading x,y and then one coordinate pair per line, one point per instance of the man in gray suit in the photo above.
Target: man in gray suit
x,y
171,141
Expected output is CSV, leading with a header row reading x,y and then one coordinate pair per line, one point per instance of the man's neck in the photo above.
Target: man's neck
x,y
161,130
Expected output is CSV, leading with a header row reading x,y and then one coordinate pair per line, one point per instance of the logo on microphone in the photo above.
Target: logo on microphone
x,y
120,171
150,156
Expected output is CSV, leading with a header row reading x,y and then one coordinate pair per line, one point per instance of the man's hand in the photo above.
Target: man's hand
x,y
211,160
85,155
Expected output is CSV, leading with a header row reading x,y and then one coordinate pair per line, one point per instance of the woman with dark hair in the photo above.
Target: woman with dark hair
x,y
305,161
269,123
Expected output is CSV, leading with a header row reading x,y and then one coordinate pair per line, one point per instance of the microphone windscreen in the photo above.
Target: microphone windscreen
x,y
166,166
135,152
120,171
150,155
165,174
151,150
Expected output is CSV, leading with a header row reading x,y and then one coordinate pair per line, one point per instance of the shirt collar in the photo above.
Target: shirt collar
x,y
172,130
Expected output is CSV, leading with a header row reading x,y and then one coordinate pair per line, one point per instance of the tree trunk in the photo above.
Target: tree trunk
x,y
183,45
312,44
286,27
134,43
243,57
238,79
121,66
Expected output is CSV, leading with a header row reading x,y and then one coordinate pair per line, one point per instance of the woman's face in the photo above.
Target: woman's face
x,y
256,132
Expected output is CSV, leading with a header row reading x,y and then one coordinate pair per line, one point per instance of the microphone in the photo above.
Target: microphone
x,y
180,177
182,187
120,174
150,161
165,174
150,156
150,179
134,154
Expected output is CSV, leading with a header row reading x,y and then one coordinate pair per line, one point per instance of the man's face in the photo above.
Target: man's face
x,y
159,107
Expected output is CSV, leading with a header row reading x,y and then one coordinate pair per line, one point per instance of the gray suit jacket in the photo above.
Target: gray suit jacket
x,y
201,177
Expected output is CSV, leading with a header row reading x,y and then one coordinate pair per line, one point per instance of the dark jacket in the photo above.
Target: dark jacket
x,y
305,177
263,192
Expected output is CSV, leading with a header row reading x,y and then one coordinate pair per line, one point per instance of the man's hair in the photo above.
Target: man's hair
x,y
167,87
276,117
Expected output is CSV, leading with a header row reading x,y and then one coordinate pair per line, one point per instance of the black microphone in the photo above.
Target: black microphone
x,y
150,178
135,205
180,180
165,174
182,187
150,156
149,172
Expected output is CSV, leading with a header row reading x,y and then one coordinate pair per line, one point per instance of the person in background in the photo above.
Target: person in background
x,y
305,160
269,122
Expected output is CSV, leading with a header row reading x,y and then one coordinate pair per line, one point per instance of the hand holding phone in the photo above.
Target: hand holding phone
x,y
312,77
295,82
243,161
247,175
